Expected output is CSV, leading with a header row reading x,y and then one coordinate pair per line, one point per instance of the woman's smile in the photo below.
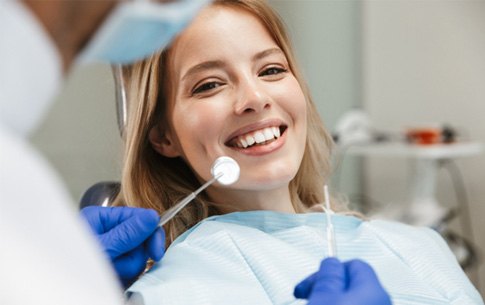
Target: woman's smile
x,y
259,142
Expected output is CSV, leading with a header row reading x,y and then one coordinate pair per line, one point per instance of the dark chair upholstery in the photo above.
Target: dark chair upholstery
x,y
100,194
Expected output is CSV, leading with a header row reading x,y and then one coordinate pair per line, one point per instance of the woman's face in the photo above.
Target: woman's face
x,y
235,96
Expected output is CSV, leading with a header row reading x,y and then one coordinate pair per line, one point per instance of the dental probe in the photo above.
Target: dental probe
x,y
224,170
331,240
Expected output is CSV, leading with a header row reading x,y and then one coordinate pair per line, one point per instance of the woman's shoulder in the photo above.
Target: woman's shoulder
x,y
393,230
410,239
424,250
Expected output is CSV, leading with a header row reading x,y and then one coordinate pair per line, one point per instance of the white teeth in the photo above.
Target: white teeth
x,y
259,137
244,143
276,131
250,140
268,134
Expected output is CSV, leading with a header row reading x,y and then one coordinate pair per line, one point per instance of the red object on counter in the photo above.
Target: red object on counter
x,y
424,136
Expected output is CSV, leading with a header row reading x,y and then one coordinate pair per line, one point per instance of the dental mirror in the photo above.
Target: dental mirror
x,y
224,170
229,169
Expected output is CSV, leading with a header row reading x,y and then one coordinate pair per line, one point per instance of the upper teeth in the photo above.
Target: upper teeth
x,y
259,136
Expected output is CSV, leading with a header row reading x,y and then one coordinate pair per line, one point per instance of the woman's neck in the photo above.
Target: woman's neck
x,y
278,200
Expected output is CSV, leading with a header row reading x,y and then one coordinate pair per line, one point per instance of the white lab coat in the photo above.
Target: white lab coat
x,y
47,255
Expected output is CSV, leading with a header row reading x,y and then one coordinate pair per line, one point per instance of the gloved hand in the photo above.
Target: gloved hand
x,y
129,236
336,283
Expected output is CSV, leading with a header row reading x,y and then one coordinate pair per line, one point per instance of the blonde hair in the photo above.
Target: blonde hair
x,y
151,180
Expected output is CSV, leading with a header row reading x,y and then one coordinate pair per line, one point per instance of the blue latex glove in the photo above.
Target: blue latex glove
x,y
129,236
336,283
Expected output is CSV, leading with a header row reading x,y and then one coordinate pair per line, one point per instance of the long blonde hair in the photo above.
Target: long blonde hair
x,y
151,180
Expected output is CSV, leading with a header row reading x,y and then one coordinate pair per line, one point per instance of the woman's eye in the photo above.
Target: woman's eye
x,y
272,71
206,87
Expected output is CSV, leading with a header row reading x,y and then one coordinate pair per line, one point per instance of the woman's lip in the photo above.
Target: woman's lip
x,y
259,150
254,127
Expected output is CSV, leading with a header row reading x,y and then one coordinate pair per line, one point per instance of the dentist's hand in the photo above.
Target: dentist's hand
x,y
353,282
129,236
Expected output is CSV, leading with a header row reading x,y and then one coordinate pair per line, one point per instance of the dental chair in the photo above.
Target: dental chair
x,y
100,194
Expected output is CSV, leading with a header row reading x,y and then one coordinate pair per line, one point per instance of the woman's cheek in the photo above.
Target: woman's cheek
x,y
201,121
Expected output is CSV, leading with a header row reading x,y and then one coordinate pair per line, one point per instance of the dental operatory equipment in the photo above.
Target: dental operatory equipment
x,y
331,240
120,98
224,170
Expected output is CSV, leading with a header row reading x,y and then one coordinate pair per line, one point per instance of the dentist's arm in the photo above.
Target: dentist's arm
x,y
129,236
353,282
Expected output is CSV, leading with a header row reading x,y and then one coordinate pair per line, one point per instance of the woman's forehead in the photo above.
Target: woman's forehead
x,y
216,29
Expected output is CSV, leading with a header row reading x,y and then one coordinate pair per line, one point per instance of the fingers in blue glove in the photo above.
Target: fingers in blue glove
x,y
133,227
360,273
339,283
155,246
130,265
329,278
362,278
129,236
304,288
103,219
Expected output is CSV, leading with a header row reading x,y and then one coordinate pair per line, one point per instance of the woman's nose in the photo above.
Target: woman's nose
x,y
252,98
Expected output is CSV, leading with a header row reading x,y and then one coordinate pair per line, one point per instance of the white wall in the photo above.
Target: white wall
x,y
325,35
80,135
326,39
424,62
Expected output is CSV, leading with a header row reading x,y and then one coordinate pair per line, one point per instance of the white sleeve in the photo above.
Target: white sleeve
x,y
48,255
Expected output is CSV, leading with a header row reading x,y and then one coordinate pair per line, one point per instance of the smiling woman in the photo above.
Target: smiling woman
x,y
229,86
250,90
229,82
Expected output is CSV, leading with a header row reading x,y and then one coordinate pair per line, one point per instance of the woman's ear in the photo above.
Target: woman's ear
x,y
162,142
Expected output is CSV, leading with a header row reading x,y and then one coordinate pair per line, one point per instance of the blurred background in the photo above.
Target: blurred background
x,y
403,64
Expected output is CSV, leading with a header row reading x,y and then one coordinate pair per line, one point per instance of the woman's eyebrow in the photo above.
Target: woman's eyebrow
x,y
263,54
212,64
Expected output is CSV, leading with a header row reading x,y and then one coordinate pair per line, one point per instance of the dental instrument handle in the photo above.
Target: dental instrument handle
x,y
332,246
331,240
170,213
